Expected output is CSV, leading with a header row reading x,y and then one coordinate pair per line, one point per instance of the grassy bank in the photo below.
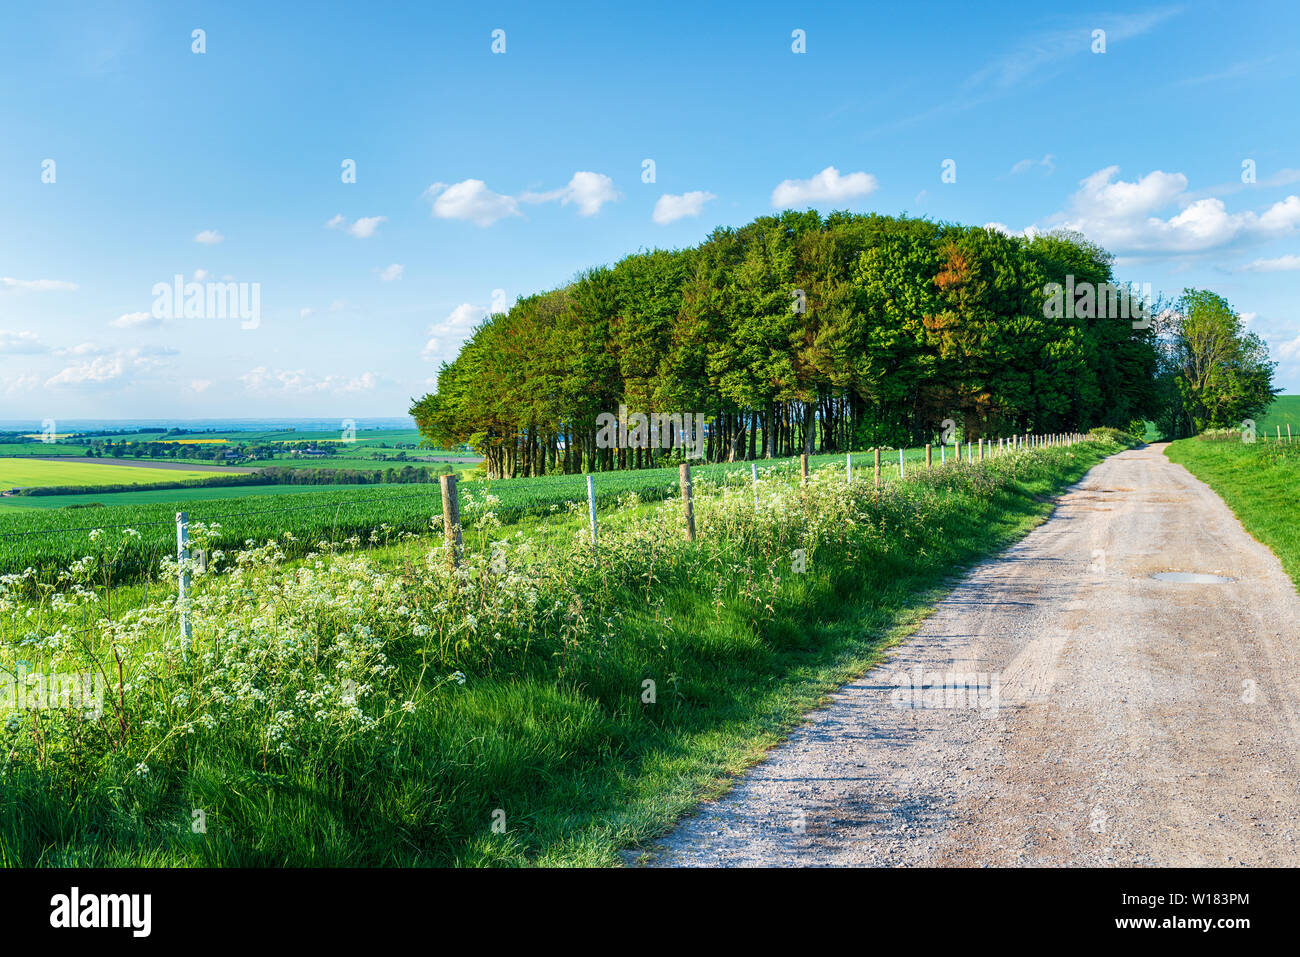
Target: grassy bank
x,y
372,708
1260,482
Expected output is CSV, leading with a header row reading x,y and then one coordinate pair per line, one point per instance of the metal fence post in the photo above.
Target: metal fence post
x,y
848,465
753,470
591,507
183,583
686,500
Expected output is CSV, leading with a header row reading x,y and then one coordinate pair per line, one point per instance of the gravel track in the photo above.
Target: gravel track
x,y
1137,721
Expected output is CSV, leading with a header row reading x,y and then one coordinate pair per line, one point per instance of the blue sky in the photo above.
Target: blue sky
x,y
484,176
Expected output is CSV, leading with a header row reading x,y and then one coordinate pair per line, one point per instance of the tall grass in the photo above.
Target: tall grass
x,y
546,702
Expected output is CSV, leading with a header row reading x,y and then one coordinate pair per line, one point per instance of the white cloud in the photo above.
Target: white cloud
x,y
136,320
82,349
209,237
104,368
200,385
305,312
1287,263
21,343
201,274
1120,215
24,383
96,371
499,303
35,285
471,200
589,191
363,228
392,273
1043,55
1025,165
460,322
670,207
261,381
828,186
1029,232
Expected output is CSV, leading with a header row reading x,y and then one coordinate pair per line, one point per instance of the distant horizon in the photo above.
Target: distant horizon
x,y
233,423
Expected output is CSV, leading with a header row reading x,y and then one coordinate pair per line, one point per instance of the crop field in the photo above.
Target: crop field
x,y
37,473
90,503
41,448
48,539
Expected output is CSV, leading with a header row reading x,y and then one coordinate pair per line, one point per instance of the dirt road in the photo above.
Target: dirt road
x,y
1109,718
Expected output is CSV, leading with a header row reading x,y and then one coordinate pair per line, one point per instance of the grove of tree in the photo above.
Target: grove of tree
x,y
798,332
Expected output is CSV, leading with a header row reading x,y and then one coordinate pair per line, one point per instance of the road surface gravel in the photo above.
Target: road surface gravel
x,y
1133,721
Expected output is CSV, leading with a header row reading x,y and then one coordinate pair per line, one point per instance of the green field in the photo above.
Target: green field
x,y
333,511
368,708
1260,482
1284,411
36,473
41,449
185,497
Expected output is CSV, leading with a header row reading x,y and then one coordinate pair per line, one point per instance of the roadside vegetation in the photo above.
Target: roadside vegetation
x,y
1259,481
548,702
48,540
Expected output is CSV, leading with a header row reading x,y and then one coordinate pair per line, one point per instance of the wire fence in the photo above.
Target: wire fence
x,y
385,514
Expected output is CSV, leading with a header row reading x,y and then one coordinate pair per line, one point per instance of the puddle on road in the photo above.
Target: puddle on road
x,y
1190,578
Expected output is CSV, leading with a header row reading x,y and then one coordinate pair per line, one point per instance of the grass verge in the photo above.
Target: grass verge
x,y
1260,482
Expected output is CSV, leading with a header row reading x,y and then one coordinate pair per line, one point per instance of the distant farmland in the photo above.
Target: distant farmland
x,y
38,473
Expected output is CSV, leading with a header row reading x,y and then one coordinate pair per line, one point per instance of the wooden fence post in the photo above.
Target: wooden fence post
x,y
877,468
450,518
803,469
686,501
929,463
